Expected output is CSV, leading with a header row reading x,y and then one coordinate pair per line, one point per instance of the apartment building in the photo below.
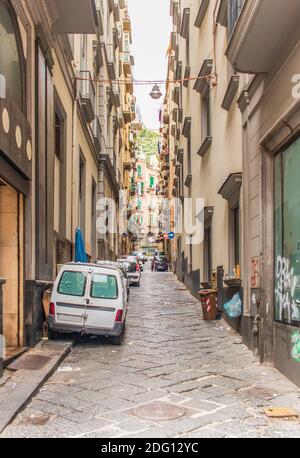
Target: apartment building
x,y
64,145
203,143
269,104
232,138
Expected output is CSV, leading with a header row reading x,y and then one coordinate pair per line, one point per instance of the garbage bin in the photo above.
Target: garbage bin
x,y
209,300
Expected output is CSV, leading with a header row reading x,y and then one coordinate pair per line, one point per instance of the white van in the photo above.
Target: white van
x,y
89,299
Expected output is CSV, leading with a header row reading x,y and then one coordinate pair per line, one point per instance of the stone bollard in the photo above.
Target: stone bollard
x,y
2,340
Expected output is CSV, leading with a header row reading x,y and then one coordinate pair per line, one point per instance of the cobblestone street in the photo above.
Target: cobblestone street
x,y
171,356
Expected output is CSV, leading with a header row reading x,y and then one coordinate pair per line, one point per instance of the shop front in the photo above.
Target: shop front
x,y
15,176
287,260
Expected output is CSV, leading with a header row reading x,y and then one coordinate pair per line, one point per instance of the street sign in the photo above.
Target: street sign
x,y
171,235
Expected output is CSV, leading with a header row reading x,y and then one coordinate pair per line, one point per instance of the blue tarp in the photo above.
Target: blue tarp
x,y
80,255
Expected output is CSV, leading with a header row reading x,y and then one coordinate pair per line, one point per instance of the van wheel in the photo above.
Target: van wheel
x,y
116,340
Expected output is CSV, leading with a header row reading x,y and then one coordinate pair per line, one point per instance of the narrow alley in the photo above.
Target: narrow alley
x,y
172,364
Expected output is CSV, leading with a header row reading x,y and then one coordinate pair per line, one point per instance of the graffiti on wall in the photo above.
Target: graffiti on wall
x,y
296,346
285,291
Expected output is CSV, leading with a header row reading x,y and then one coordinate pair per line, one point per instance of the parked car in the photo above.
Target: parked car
x,y
134,275
135,258
122,268
142,257
89,299
161,264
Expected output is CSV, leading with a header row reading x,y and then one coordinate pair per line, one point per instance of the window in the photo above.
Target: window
x,y
234,10
189,148
236,217
59,168
82,181
142,189
45,141
11,57
139,171
234,238
139,205
104,287
207,255
287,235
94,217
126,42
205,115
152,182
191,255
72,284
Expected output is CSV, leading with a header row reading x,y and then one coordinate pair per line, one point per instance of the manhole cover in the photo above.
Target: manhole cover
x,y
159,412
260,393
29,363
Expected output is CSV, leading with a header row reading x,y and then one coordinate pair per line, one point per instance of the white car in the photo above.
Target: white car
x,y
133,275
90,300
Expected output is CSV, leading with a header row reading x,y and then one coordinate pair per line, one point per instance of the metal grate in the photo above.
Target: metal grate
x,y
30,363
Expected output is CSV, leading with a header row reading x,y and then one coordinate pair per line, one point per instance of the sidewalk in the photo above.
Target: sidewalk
x,y
18,387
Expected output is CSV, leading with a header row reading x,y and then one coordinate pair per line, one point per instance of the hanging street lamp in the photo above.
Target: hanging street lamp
x,y
156,93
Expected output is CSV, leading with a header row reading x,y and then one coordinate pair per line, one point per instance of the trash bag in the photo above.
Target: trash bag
x,y
233,308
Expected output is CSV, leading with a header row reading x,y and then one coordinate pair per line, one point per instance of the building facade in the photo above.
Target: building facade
x,y
202,152
231,136
64,143
269,104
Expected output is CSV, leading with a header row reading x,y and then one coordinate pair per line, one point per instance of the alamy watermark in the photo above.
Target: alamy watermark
x,y
184,217
296,87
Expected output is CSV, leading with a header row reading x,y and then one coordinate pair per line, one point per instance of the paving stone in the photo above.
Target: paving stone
x,y
170,356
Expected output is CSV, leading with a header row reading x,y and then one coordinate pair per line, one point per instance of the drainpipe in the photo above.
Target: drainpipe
x,y
74,149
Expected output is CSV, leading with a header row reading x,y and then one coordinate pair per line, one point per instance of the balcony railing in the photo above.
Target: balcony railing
x,y
88,95
97,134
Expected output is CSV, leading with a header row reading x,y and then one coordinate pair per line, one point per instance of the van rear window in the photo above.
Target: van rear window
x,y
72,284
104,287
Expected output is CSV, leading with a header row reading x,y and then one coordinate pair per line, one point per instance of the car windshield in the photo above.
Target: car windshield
x,y
72,284
104,287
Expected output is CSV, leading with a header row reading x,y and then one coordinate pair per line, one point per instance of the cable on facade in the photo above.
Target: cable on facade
x,y
146,82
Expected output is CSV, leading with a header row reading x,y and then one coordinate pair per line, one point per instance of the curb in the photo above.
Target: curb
x,y
26,384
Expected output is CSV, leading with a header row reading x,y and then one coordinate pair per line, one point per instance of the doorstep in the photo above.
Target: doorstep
x,y
27,375
13,353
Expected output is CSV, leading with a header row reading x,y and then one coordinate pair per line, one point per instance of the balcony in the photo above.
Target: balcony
x,y
73,16
127,23
116,11
201,12
127,63
100,12
97,134
87,95
116,95
111,60
129,86
185,25
98,60
127,117
262,33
